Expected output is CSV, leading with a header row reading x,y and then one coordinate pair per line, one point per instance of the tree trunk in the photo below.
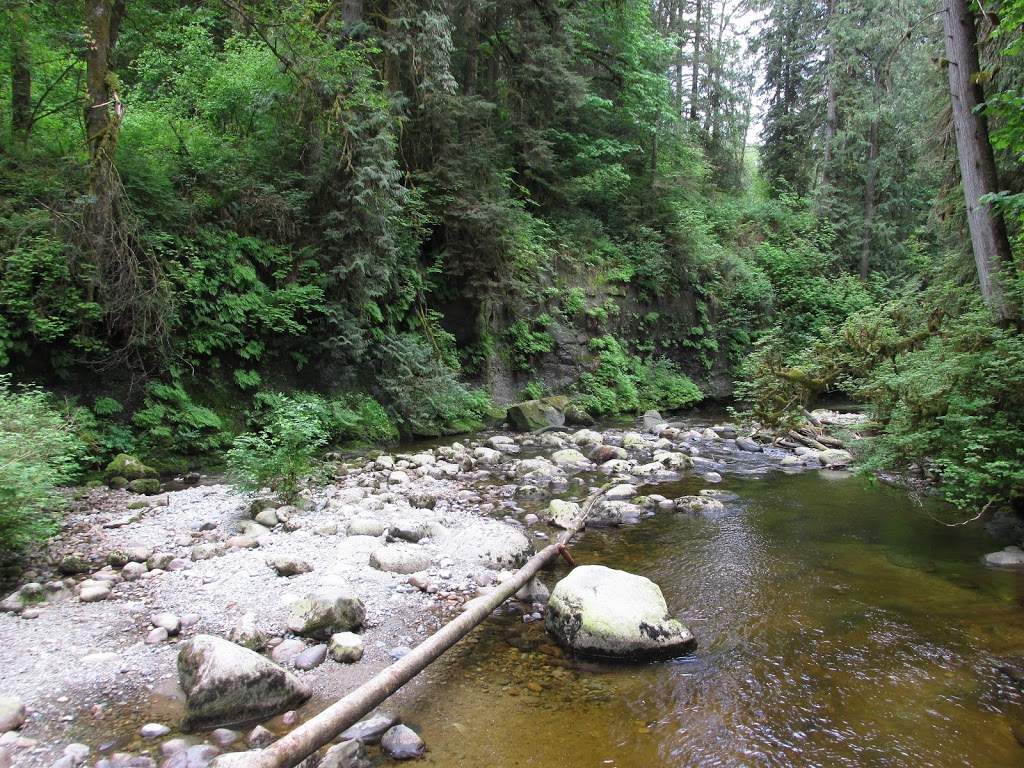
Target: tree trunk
x,y
989,240
21,71
697,41
869,199
832,105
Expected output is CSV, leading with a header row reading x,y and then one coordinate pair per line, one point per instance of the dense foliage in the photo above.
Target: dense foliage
x,y
400,206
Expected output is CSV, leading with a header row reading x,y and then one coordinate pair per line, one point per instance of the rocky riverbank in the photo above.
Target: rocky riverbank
x,y
91,638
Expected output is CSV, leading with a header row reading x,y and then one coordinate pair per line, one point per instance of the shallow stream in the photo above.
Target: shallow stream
x,y
838,625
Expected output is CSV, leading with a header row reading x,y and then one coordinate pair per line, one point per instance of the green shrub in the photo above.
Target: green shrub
x,y
39,451
281,454
171,423
534,390
527,340
424,395
573,302
625,383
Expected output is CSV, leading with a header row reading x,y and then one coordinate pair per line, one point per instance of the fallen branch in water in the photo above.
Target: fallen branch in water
x,y
293,748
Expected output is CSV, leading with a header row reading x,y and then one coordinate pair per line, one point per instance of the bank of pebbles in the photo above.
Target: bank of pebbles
x,y
94,673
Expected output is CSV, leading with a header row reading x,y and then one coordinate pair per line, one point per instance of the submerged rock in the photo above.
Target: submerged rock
x,y
227,685
1011,557
402,743
598,611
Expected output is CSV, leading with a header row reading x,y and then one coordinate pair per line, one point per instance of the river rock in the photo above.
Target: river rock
x,y
538,414
604,453
699,505
73,564
168,621
289,566
260,738
631,441
207,551
347,754
252,529
1010,557
268,518
489,543
246,634
133,571
599,611
366,526
410,531
586,437
346,647
534,591
399,558
622,492
227,686
402,743
488,456
746,444
326,611
578,417
562,514
570,457
12,713
653,420
129,467
287,651
311,658
834,457
370,729
606,513
421,500
153,730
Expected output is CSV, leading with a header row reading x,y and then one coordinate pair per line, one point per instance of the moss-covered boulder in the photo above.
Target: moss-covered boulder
x,y
129,467
598,611
229,686
538,414
147,486
578,417
326,612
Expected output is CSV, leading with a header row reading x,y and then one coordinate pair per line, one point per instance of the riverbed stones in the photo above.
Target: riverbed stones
x,y
622,492
1010,557
208,551
286,651
834,457
311,658
748,445
346,647
246,634
632,441
402,743
289,566
699,505
570,457
599,611
366,526
370,730
228,686
399,558
488,456
562,514
603,453
538,414
491,544
325,612
347,754
12,713
586,437
606,513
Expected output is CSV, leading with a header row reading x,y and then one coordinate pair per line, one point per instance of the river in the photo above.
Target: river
x,y
838,624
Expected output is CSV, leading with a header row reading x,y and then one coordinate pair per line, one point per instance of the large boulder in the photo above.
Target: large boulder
x,y
400,558
1010,557
229,686
835,457
538,414
598,611
326,612
129,467
490,544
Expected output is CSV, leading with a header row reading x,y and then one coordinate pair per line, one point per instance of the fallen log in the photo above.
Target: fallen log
x,y
810,442
293,748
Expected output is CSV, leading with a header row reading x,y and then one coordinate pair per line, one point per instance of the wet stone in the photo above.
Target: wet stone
x,y
371,729
402,743
224,737
311,658
259,737
153,730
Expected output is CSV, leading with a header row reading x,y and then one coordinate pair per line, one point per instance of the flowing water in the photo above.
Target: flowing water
x,y
838,625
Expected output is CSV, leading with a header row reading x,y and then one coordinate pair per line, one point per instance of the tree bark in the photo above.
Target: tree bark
x,y
697,41
989,239
21,71
832,104
872,178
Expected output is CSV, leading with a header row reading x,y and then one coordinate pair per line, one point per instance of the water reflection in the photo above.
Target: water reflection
x,y
837,625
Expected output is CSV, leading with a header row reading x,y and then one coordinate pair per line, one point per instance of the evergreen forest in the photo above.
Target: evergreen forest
x,y
242,228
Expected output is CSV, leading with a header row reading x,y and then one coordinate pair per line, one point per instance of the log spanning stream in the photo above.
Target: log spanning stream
x,y
838,625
